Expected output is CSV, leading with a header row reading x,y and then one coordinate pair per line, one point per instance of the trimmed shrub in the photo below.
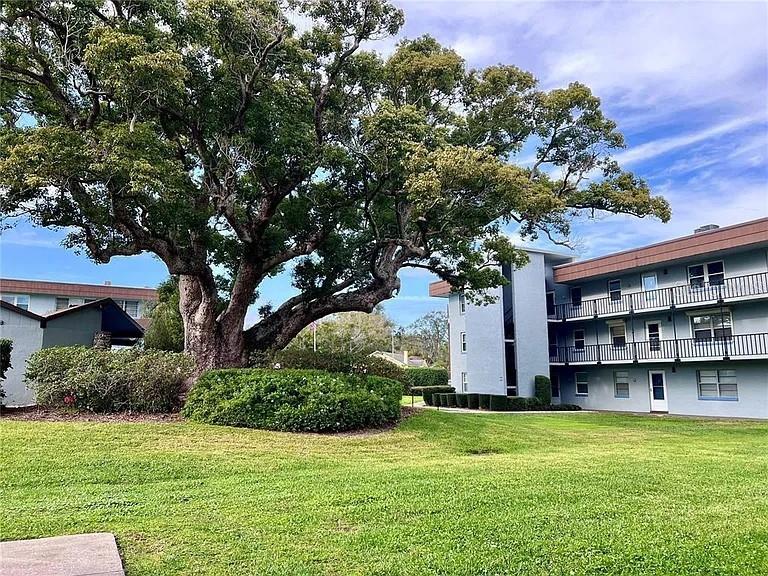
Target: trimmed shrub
x,y
422,377
102,380
331,362
427,392
461,400
473,401
563,407
498,403
440,400
484,401
543,390
293,400
450,400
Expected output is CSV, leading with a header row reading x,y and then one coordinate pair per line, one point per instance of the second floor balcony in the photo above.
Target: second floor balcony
x,y
694,293
737,346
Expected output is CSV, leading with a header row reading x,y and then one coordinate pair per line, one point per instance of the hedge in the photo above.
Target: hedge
x,y
293,400
473,401
450,399
497,403
421,377
102,380
543,390
485,401
461,400
331,362
427,392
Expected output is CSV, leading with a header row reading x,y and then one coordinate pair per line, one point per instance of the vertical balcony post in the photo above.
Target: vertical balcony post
x,y
597,342
674,335
632,327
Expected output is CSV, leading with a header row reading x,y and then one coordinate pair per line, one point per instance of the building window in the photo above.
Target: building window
x,y
650,283
582,384
576,296
621,384
463,381
578,339
717,384
18,300
131,307
653,335
708,326
618,335
463,338
62,303
614,290
462,304
712,273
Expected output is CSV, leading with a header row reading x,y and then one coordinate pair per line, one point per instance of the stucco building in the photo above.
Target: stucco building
x,y
679,327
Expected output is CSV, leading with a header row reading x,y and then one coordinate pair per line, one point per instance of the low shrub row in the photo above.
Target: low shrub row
x,y
422,377
494,402
103,380
331,362
428,392
293,400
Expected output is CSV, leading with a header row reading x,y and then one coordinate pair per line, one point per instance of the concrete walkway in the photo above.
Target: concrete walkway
x,y
78,555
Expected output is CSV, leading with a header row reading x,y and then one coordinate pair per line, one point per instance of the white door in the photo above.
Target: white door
x,y
657,383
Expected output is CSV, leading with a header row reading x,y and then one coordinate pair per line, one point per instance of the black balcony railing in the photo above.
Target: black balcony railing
x,y
736,346
701,293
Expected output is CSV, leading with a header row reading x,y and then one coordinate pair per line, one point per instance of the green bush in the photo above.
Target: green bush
x,y
484,401
450,400
543,390
6,346
461,400
427,392
422,377
498,403
473,401
102,380
563,407
293,400
331,362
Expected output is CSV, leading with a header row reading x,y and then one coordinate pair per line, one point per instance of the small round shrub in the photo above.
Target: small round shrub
x,y
473,401
461,400
293,400
101,380
543,390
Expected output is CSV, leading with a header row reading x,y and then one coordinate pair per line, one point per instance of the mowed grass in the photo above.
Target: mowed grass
x,y
442,494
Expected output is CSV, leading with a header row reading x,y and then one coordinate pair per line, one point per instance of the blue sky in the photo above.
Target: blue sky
x,y
686,81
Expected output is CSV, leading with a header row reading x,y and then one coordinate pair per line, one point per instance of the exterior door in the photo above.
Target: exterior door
x,y
653,335
658,389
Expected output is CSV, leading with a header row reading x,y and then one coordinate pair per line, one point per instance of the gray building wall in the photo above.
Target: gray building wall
x,y
27,336
530,314
484,359
682,389
73,329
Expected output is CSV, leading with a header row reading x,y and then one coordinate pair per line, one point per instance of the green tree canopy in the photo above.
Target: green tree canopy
x,y
347,333
216,136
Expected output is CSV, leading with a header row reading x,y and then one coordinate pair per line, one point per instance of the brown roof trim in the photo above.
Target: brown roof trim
x,y
27,313
729,237
15,286
439,289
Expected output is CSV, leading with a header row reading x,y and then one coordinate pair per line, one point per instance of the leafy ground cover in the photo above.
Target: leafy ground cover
x,y
441,494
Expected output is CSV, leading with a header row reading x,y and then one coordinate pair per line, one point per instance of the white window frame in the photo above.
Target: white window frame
x,y
462,303
583,339
463,342
650,295
712,314
614,324
621,374
705,277
648,334
585,382
463,381
611,292
14,299
716,378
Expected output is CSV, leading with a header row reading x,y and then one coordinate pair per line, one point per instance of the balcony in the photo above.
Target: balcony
x,y
740,346
729,289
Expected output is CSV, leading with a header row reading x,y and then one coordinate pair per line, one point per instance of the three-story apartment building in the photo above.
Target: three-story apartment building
x,y
678,327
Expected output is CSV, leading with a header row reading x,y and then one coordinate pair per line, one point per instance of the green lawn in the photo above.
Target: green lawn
x,y
442,494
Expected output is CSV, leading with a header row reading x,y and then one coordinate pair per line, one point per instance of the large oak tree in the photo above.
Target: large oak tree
x,y
217,136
